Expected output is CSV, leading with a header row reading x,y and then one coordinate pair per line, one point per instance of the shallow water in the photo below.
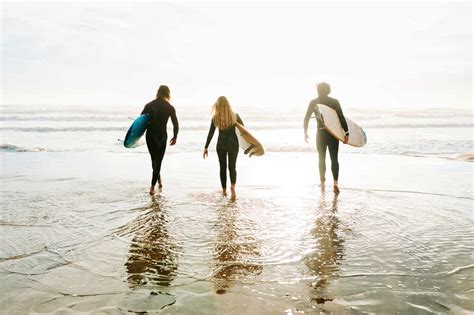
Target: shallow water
x,y
78,236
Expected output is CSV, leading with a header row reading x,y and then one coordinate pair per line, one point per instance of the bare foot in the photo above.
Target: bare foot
x,y
224,192
232,192
321,185
336,187
152,191
160,183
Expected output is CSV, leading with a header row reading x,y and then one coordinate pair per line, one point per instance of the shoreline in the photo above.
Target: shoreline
x,y
358,171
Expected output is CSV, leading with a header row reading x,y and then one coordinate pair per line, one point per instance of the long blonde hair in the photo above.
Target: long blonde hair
x,y
223,116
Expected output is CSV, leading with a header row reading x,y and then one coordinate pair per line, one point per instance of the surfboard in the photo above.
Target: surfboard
x,y
135,133
330,120
248,142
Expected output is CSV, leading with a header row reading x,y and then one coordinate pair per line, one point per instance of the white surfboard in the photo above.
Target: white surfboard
x,y
247,142
330,120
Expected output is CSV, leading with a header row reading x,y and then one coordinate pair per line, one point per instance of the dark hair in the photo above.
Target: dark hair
x,y
163,92
323,89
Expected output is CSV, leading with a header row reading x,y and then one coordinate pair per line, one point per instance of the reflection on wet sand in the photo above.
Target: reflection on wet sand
x,y
232,250
328,250
152,258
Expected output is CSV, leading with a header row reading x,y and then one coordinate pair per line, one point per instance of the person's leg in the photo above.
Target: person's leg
x,y
160,154
333,145
222,154
152,149
321,144
233,153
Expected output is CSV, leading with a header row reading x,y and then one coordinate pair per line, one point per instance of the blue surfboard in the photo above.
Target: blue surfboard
x,y
135,132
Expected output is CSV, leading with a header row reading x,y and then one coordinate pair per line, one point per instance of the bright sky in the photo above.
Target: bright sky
x,y
258,54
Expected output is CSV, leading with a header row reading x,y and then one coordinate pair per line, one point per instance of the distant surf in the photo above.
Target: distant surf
x,y
442,133
14,148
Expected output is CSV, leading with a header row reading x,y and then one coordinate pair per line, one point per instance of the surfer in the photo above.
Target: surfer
x,y
224,118
159,111
323,138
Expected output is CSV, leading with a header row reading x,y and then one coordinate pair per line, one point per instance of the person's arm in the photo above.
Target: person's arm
x,y
212,129
174,120
239,120
343,121
309,112
146,110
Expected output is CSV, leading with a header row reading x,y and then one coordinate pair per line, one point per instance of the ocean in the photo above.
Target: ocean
x,y
428,132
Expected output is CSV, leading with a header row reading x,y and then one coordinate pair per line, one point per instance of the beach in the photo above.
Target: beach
x,y
81,234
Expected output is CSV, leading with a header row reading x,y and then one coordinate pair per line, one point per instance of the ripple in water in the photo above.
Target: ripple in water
x,y
272,250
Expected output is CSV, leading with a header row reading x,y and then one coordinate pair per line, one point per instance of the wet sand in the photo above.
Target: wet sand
x,y
80,234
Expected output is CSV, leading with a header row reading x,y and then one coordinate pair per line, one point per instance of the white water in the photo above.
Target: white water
x,y
439,132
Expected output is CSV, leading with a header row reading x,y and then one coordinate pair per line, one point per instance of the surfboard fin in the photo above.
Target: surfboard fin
x,y
249,149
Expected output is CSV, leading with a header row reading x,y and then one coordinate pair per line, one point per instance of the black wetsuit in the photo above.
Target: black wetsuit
x,y
159,111
227,145
323,138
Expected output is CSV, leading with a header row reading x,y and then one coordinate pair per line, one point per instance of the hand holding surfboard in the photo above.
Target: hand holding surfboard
x,y
135,133
330,120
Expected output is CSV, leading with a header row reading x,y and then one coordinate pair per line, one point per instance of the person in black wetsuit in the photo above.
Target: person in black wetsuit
x,y
159,111
323,138
224,118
